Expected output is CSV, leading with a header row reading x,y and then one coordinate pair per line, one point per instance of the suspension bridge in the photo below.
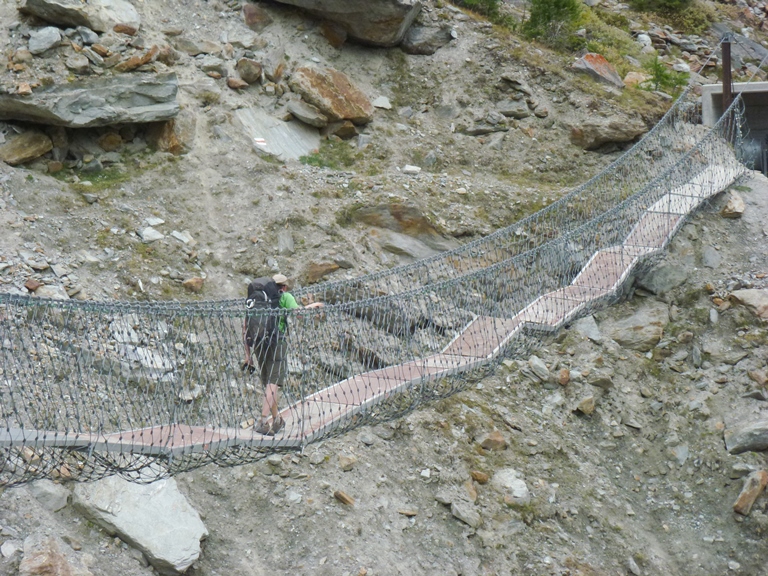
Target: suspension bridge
x,y
147,390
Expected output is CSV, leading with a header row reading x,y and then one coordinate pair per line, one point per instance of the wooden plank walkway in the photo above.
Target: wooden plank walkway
x,y
478,343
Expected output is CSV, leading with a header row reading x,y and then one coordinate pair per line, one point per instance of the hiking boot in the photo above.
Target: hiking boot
x,y
277,425
263,427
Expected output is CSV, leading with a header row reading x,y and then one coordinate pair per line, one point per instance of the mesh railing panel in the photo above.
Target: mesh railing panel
x,y
89,389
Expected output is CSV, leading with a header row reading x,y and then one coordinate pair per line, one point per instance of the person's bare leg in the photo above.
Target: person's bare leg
x,y
270,402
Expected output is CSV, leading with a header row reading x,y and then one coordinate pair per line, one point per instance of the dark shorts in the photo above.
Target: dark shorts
x,y
273,363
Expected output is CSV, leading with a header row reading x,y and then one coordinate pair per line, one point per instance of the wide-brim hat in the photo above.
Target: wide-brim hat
x,y
280,279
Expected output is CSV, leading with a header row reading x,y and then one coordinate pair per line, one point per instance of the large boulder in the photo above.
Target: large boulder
x,y
641,331
154,518
375,22
333,93
595,132
98,15
599,68
25,147
123,99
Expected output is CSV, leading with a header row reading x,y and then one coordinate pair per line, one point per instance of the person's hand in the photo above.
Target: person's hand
x,y
315,305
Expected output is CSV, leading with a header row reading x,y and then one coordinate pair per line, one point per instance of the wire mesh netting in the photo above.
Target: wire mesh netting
x,y
146,390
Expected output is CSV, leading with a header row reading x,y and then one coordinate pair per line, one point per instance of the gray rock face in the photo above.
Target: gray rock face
x,y
283,140
98,15
663,278
425,40
155,518
514,109
376,22
124,99
641,331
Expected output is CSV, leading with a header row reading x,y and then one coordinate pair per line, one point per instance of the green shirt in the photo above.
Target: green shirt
x,y
287,302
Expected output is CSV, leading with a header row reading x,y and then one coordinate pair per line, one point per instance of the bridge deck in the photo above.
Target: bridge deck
x,y
480,341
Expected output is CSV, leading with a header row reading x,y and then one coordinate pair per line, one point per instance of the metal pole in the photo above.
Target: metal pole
x,y
727,82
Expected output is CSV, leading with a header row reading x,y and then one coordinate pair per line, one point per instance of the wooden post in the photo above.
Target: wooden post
x,y
727,82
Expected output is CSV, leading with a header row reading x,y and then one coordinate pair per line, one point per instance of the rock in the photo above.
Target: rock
x,y
663,278
426,40
149,234
193,284
754,299
480,477
176,136
236,83
24,147
564,377
138,60
382,102
52,292
250,70
46,555
51,496
514,109
402,244
184,237
344,130
375,22
120,99
641,331
753,486
538,368
283,140
195,47
245,39
599,68
587,405
760,377
466,512
307,113
710,257
11,547
747,437
409,169
316,271
255,17
98,15
406,219
88,36
334,32
734,207
508,481
285,242
595,132
333,93
78,63
273,64
600,379
347,462
155,518
635,78
493,441
44,39
587,327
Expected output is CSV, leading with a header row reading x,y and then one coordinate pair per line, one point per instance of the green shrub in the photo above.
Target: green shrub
x,y
662,78
488,8
660,6
553,21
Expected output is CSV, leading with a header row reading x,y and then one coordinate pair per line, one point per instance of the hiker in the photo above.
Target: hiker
x,y
266,337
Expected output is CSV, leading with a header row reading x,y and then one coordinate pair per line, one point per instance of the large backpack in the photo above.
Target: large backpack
x,y
263,295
